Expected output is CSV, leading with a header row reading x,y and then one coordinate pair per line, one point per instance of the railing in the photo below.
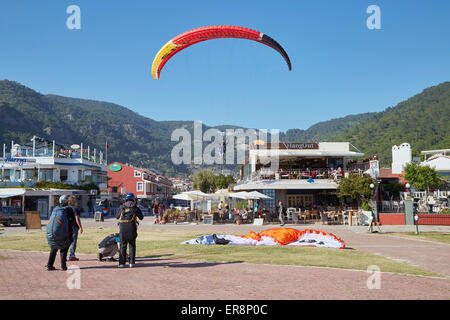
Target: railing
x,y
320,173
391,206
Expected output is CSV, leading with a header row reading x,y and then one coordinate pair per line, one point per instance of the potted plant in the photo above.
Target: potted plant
x,y
175,216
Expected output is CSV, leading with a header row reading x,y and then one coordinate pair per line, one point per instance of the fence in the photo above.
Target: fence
x,y
391,206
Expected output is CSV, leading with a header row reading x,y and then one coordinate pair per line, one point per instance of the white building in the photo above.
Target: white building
x,y
401,155
42,160
439,160
306,174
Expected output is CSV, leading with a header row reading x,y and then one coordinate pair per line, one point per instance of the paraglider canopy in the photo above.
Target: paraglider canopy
x,y
191,37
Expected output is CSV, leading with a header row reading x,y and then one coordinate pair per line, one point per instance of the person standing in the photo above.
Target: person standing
x,y
73,203
280,213
155,211
127,214
60,232
160,212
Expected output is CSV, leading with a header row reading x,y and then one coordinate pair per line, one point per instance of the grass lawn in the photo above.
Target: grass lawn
x,y
430,236
167,243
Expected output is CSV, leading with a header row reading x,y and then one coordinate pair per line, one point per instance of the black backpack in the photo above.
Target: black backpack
x,y
128,215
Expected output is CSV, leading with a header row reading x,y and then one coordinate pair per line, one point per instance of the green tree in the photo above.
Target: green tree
x,y
204,181
422,177
223,182
355,186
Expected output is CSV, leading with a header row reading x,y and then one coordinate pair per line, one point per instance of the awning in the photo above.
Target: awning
x,y
7,193
287,184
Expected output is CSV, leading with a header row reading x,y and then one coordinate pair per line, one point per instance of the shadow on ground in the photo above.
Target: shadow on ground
x,y
158,261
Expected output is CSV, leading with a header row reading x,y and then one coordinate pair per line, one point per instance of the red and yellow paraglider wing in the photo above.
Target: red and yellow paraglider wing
x,y
191,37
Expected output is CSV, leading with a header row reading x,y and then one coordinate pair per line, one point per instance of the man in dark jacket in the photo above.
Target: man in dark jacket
x,y
127,214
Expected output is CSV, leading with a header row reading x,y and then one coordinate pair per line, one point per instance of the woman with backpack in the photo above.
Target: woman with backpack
x,y
59,232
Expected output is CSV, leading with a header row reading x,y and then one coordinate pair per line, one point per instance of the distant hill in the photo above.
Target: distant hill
x,y
422,120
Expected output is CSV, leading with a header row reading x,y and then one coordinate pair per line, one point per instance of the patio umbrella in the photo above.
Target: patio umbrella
x,y
259,195
192,196
240,195
222,192
182,196
196,194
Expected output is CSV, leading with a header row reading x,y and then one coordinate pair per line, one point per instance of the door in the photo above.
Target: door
x,y
43,208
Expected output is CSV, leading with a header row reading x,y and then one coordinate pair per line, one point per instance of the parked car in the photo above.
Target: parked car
x,y
11,215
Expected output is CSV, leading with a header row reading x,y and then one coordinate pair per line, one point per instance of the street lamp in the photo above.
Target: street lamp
x,y
372,187
416,222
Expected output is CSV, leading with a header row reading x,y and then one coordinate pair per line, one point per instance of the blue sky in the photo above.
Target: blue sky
x,y
340,67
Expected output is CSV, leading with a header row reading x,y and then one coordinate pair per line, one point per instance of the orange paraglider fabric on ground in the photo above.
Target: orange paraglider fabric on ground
x,y
252,235
281,235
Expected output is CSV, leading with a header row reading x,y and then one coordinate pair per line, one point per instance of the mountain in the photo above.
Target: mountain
x,y
422,121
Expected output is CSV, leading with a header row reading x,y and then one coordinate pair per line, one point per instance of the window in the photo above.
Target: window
x,y
269,203
114,189
63,175
140,186
137,174
46,175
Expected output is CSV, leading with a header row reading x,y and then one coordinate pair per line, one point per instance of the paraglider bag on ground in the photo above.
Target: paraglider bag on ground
x,y
109,245
58,235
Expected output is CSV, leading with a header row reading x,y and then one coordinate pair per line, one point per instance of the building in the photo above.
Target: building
x,y
181,184
307,173
41,160
146,184
439,160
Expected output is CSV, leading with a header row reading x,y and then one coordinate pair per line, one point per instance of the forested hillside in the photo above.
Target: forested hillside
x,y
423,121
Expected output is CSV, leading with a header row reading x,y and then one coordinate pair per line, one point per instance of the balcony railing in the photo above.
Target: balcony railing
x,y
319,173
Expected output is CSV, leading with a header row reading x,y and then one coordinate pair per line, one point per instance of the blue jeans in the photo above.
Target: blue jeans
x,y
73,246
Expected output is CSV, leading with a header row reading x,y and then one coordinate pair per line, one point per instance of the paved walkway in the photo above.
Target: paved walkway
x,y
161,277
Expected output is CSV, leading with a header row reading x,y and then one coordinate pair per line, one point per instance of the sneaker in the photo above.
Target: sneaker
x,y
64,268
121,266
74,259
99,256
50,268
132,265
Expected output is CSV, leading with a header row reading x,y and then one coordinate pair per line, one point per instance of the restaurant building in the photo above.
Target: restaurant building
x,y
307,173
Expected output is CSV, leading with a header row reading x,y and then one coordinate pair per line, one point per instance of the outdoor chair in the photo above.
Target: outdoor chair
x,y
395,206
324,217
355,218
385,205
315,214
307,215
345,217
295,217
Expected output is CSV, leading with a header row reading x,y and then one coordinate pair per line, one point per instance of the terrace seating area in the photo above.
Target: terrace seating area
x,y
328,215
317,173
